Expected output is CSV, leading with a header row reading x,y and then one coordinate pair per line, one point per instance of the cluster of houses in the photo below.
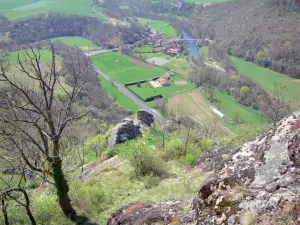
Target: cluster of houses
x,y
168,46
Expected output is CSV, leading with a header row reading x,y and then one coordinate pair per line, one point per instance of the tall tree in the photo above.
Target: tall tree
x,y
33,119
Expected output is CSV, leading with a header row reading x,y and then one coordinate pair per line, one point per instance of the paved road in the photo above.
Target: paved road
x,y
126,92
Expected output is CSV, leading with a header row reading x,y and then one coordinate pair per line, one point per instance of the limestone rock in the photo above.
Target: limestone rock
x,y
262,176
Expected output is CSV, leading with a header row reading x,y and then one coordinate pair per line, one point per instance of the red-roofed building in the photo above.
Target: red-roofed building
x,y
163,81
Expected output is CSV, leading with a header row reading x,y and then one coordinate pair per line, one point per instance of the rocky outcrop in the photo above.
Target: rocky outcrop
x,y
146,117
130,129
167,212
258,180
261,178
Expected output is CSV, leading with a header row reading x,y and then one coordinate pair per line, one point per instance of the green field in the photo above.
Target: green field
x,y
120,98
16,9
230,107
81,42
13,56
267,78
147,91
160,26
123,69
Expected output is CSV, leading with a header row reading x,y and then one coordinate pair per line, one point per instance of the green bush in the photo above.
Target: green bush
x,y
90,197
190,159
174,149
151,181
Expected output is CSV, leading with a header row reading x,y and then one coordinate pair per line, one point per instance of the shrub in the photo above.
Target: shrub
x,y
174,149
151,181
90,197
190,159
145,162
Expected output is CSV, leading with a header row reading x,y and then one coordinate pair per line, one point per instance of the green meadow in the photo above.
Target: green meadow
x,y
160,26
267,78
80,42
16,9
123,69
13,56
146,90
120,98
230,107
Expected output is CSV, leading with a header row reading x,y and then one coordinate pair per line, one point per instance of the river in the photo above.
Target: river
x,y
192,45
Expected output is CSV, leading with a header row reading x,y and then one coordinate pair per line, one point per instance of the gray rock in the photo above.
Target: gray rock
x,y
130,129
146,117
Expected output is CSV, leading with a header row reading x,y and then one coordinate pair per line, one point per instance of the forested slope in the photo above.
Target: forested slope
x,y
265,32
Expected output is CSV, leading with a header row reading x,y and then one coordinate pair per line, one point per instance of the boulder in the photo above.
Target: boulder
x,y
145,117
130,129
138,213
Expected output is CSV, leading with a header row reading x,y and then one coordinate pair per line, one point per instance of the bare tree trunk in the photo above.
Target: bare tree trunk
x,y
27,208
62,188
3,208
187,140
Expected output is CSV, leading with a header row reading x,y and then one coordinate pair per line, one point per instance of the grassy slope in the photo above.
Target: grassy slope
x,y
121,99
120,69
161,26
146,90
230,107
78,7
267,77
13,56
77,41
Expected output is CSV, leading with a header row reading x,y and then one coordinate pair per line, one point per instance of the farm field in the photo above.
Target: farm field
x,y
160,26
146,91
120,98
124,69
179,65
195,105
16,9
73,41
230,107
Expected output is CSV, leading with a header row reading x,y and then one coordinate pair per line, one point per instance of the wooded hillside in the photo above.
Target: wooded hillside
x,y
265,32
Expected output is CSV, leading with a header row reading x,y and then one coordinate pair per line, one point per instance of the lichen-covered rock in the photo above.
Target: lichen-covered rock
x,y
261,177
138,213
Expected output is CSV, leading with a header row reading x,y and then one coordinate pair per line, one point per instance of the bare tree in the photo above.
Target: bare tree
x,y
17,194
32,119
278,103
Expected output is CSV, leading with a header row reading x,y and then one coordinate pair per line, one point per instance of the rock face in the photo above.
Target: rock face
x,y
130,129
258,180
148,213
261,178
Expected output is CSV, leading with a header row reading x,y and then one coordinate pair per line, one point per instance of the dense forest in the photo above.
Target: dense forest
x,y
265,32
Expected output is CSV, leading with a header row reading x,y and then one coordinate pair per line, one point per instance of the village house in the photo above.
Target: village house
x,y
163,81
